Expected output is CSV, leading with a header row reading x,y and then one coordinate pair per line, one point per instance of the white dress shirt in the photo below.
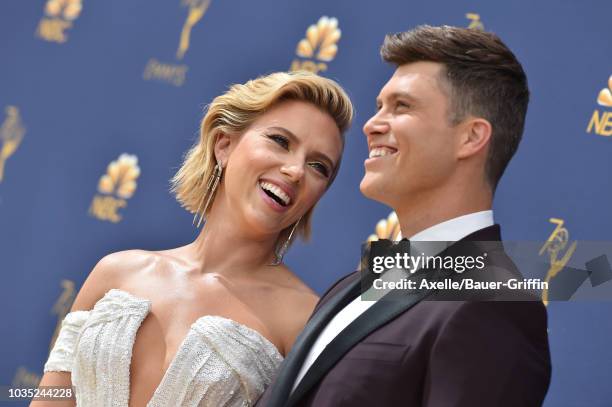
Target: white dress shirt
x,y
449,231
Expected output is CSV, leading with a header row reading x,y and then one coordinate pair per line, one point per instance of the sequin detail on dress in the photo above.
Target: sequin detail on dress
x,y
219,363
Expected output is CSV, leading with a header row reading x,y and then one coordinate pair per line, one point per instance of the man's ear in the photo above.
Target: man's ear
x,y
475,137
224,144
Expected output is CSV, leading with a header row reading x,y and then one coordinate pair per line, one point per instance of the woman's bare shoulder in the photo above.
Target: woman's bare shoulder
x,y
297,301
294,287
110,272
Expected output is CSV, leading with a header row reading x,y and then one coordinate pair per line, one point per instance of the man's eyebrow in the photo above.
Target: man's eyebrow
x,y
319,155
398,95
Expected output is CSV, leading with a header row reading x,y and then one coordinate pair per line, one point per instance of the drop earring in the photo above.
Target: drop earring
x,y
280,252
211,188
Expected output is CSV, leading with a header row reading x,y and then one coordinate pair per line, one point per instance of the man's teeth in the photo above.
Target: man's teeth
x,y
380,152
276,191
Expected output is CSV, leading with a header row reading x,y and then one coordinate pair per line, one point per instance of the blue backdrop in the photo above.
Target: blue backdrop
x,y
99,100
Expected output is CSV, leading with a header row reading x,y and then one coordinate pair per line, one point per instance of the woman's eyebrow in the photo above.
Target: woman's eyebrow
x,y
319,155
323,157
287,132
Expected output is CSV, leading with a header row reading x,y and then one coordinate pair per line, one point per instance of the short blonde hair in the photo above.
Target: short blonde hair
x,y
233,113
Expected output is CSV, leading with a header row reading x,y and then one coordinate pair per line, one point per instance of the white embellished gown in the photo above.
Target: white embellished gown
x,y
219,363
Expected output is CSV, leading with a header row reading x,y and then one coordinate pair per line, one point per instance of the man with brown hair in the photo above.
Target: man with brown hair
x,y
448,122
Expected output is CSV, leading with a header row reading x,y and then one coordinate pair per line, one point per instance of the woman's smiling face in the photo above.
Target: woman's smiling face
x,y
279,167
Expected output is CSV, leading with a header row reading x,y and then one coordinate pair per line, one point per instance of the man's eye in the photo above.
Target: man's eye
x,y
402,104
280,140
321,168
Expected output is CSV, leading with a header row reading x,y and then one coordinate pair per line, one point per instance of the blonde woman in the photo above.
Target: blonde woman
x,y
207,324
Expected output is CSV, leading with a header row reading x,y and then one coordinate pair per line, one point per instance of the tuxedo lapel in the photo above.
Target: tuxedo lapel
x,y
395,303
293,362
377,315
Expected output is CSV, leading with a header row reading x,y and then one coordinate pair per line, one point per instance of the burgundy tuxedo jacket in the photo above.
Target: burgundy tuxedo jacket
x,y
417,351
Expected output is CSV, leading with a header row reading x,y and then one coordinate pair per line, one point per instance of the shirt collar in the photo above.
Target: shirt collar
x,y
457,228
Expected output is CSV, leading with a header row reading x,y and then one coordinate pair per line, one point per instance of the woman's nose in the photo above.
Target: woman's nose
x,y
293,171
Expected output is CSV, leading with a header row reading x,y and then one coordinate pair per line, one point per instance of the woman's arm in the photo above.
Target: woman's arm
x,y
59,379
104,276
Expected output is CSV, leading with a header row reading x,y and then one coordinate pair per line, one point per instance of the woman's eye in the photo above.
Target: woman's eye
x,y
280,140
321,168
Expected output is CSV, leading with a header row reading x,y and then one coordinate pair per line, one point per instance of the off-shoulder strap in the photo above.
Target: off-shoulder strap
x,y
61,357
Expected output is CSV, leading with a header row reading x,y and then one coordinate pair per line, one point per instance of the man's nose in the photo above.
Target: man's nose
x,y
376,125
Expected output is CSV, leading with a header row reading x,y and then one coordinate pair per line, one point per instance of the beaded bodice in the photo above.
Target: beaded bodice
x,y
219,363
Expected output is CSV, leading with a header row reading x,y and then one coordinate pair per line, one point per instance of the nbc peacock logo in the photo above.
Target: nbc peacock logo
x,y
11,135
388,228
318,47
601,120
115,188
59,15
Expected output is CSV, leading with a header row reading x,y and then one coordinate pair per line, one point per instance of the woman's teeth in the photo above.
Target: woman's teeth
x,y
276,193
381,152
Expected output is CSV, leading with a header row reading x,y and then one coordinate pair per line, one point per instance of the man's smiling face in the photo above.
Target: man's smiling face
x,y
412,145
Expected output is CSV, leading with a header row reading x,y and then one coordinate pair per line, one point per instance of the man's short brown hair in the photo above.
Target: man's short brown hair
x,y
483,79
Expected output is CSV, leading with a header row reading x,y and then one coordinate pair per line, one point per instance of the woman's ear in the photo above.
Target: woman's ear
x,y
224,144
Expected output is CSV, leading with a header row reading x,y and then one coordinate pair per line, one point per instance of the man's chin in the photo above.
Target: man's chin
x,y
372,190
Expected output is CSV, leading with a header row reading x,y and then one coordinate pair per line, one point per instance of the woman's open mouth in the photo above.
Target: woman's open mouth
x,y
275,196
